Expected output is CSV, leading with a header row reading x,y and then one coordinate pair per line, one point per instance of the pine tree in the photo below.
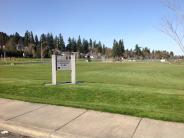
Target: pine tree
x,y
103,49
16,38
121,48
31,38
56,42
3,39
99,47
61,44
43,45
90,45
138,51
73,45
115,49
36,41
85,46
50,42
118,49
37,46
26,39
69,45
79,45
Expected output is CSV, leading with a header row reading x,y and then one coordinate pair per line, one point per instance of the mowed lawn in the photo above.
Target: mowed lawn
x,y
151,90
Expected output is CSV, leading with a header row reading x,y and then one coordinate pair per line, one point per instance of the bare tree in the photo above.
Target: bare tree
x,y
42,51
174,26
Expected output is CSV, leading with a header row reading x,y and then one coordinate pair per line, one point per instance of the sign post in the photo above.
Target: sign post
x,y
60,62
53,69
73,72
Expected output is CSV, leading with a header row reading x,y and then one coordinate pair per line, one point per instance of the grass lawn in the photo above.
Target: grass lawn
x,y
151,90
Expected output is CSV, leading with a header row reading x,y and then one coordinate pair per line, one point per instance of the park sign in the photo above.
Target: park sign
x,y
62,62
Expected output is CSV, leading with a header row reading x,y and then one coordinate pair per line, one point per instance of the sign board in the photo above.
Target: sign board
x,y
63,63
60,62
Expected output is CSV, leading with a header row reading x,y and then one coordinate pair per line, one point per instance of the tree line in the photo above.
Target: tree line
x,y
31,45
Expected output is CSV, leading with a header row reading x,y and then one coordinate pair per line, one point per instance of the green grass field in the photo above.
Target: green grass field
x,y
151,90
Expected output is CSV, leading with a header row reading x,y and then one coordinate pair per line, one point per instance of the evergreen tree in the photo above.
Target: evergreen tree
x,y
118,49
137,50
103,49
43,46
61,43
85,46
69,45
36,41
16,38
79,45
90,45
121,47
37,46
4,38
146,53
115,49
31,38
50,42
26,38
73,45
56,42
99,47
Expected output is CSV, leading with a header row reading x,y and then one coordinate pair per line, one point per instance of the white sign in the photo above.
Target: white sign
x,y
63,63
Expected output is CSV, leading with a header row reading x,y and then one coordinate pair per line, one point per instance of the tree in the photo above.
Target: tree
x,y
16,38
85,46
26,38
137,51
69,45
10,47
3,41
146,53
99,47
95,48
50,42
79,45
31,38
56,42
90,45
3,38
31,45
36,41
118,49
43,46
73,45
61,43
174,27
171,54
121,47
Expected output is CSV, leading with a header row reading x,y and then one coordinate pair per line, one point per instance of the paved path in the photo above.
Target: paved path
x,y
49,121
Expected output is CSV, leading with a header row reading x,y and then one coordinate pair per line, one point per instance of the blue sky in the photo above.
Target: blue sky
x,y
135,21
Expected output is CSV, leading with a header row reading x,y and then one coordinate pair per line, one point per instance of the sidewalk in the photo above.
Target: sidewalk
x,y
49,121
